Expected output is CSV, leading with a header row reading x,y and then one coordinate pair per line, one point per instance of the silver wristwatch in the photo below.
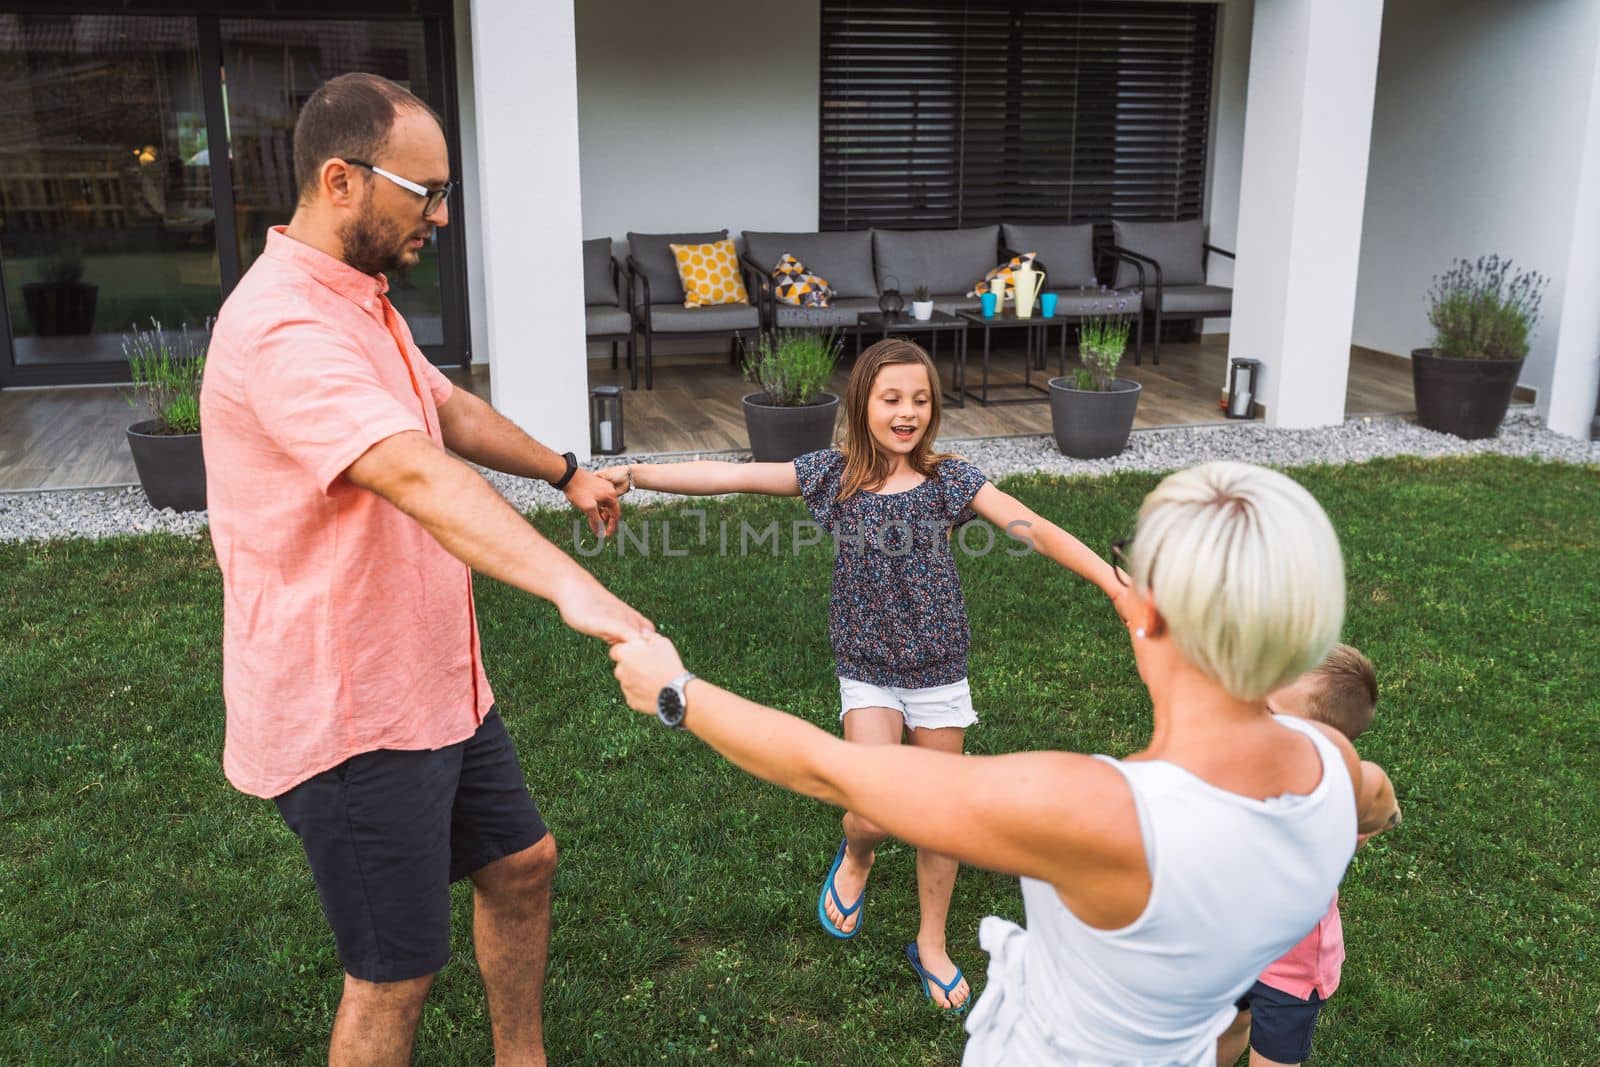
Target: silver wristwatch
x,y
671,703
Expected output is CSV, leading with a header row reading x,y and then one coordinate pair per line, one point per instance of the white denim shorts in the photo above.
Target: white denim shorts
x,y
922,709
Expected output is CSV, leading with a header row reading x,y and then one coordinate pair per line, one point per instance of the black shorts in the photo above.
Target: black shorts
x,y
1280,1023
386,832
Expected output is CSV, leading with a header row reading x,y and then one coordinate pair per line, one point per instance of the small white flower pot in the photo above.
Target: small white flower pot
x,y
922,310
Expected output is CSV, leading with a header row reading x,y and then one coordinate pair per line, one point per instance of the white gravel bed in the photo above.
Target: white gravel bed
x,y
95,513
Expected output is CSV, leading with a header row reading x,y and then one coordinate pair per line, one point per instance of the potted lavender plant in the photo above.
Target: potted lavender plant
x,y
1092,412
791,415
1483,316
166,372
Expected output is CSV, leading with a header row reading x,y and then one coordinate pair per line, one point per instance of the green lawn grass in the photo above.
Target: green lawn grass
x,y
150,914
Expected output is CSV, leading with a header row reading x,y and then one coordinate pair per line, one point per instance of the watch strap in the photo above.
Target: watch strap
x,y
572,468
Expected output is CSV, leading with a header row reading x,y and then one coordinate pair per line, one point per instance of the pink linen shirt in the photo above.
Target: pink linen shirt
x,y
346,626
1315,963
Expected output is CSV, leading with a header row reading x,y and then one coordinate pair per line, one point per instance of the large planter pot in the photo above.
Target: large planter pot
x,y
60,309
779,433
1465,397
1090,424
171,467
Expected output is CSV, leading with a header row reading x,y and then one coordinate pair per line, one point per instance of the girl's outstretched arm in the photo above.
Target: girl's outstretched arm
x,y
1019,520
1057,816
706,478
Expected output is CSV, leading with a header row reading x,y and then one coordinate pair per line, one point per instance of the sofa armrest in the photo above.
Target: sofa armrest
x,y
759,284
641,309
1207,249
1140,262
622,281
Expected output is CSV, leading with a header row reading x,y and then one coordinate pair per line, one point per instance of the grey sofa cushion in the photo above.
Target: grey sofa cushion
x,y
597,285
950,303
657,264
843,257
1066,253
599,319
840,315
1192,299
675,318
1079,302
1177,246
946,261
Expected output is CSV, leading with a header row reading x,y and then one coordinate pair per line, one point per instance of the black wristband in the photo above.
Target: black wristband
x,y
572,468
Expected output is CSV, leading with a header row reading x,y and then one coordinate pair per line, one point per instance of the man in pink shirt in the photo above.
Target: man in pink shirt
x,y
1278,1015
347,536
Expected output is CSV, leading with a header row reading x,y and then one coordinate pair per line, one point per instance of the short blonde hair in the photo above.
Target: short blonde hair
x,y
1346,694
1245,568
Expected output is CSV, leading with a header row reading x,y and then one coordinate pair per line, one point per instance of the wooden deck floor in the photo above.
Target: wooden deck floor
x,y
66,438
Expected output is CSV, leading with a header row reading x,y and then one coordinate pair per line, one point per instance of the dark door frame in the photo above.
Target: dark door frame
x,y
439,53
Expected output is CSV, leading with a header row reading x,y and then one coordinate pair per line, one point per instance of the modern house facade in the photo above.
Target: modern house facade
x,y
1346,152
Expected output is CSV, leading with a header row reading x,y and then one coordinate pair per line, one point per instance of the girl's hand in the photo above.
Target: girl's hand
x,y
621,478
644,666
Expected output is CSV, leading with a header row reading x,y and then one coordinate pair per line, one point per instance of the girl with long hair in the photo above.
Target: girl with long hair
x,y
898,621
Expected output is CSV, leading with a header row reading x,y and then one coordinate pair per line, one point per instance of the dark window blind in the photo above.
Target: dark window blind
x,y
947,113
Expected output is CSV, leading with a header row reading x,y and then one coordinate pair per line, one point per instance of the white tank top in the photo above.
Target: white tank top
x,y
1234,883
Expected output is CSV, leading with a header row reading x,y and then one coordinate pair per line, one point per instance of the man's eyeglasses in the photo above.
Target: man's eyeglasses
x,y
432,199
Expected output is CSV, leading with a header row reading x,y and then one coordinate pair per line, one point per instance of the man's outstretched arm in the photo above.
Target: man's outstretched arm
x,y
475,524
476,432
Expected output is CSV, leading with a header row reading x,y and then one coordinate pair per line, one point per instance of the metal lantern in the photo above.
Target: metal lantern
x,y
605,420
1243,376
890,302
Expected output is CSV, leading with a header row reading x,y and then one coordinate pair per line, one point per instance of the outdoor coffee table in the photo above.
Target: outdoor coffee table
x,y
1038,338
941,322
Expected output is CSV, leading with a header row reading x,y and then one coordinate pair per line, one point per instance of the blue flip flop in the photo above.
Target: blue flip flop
x,y
822,901
915,959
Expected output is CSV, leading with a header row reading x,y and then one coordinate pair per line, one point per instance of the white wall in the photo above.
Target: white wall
x,y
525,114
696,116
1477,145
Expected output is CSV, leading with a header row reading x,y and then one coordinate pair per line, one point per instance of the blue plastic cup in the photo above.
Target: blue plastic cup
x,y
988,305
1047,305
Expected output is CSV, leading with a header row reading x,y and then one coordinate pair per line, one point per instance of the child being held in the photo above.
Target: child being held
x,y
1278,1014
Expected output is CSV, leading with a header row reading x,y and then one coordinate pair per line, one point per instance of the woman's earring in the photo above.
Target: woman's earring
x,y
1139,632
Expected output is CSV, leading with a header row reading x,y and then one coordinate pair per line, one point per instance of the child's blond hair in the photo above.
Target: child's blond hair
x,y
1347,691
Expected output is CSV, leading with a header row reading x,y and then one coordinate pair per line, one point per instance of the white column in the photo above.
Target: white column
x,y
1308,124
529,254
1569,404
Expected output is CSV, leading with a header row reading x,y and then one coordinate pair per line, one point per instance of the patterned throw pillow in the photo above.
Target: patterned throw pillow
x,y
1003,273
796,285
710,274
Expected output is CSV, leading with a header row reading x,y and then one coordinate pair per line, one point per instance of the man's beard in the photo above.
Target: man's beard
x,y
373,248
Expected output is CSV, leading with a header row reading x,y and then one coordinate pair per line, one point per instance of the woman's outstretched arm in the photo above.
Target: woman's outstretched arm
x,y
1019,520
1055,816
707,478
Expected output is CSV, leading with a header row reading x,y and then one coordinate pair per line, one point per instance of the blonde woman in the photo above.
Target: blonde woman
x,y
1158,886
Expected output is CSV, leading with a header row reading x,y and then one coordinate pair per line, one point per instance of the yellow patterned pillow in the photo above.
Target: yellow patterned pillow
x,y
710,274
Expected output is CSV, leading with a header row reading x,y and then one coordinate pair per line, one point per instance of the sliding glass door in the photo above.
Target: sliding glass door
x,y
144,157
106,195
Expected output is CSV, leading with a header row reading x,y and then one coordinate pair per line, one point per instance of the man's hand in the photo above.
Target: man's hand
x,y
618,477
644,666
594,610
596,497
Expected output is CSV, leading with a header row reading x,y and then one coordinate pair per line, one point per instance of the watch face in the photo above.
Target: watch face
x,y
669,706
